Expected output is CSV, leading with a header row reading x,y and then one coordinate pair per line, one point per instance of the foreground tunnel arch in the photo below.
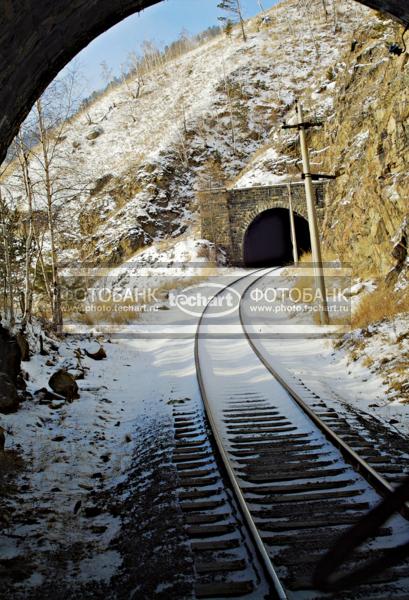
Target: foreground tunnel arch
x,y
38,38
267,240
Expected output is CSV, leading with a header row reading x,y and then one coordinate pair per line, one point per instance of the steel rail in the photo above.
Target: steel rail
x,y
266,560
324,579
373,477
394,499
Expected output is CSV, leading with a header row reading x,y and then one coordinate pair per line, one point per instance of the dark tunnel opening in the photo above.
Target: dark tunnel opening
x,y
267,241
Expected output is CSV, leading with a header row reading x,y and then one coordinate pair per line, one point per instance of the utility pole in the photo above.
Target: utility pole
x,y
312,216
292,225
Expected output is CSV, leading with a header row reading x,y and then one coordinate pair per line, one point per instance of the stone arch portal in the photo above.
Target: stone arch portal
x,y
227,215
39,37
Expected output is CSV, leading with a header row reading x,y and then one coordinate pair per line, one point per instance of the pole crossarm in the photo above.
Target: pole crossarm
x,y
317,176
304,125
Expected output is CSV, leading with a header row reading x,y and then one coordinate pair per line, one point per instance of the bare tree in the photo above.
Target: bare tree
x,y
136,72
262,9
50,178
46,149
304,6
23,152
335,16
106,73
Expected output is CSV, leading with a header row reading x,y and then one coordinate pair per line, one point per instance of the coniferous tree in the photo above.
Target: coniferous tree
x,y
12,249
234,10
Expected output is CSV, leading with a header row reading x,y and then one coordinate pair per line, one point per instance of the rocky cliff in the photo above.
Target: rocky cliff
x,y
364,104
368,148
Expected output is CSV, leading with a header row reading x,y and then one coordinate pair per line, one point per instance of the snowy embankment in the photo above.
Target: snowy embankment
x,y
77,455
84,461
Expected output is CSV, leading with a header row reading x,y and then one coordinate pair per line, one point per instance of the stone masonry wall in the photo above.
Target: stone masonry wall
x,y
226,214
214,218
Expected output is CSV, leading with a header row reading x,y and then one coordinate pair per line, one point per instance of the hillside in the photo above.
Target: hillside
x,y
364,104
135,162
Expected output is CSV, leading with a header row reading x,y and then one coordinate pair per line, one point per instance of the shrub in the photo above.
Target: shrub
x,y
379,305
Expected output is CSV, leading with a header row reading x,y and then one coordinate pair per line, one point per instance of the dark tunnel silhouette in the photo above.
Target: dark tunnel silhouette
x,y
267,241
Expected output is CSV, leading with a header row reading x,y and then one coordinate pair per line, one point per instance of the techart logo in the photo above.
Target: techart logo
x,y
193,300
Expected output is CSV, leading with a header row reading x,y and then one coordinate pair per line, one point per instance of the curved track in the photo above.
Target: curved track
x,y
298,485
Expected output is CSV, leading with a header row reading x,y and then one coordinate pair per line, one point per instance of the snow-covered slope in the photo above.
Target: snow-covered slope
x,y
136,162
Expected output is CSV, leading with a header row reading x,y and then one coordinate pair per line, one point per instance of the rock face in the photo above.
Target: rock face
x,y
10,366
64,384
368,148
10,355
8,395
400,272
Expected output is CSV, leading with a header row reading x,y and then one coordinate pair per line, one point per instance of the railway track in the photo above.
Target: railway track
x,y
386,453
285,484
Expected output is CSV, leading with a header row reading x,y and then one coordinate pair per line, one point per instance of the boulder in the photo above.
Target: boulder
x,y
64,384
99,355
95,133
45,395
8,395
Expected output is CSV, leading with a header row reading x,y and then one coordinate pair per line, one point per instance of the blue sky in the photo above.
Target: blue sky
x,y
161,23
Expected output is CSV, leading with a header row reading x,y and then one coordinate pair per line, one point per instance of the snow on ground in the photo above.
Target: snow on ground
x,y
74,451
186,257
383,348
263,172
141,284
343,373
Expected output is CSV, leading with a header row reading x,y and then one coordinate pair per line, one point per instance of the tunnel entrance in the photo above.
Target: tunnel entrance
x,y
267,241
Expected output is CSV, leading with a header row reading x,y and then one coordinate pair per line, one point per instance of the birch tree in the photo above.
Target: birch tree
x,y
22,153
46,150
52,180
